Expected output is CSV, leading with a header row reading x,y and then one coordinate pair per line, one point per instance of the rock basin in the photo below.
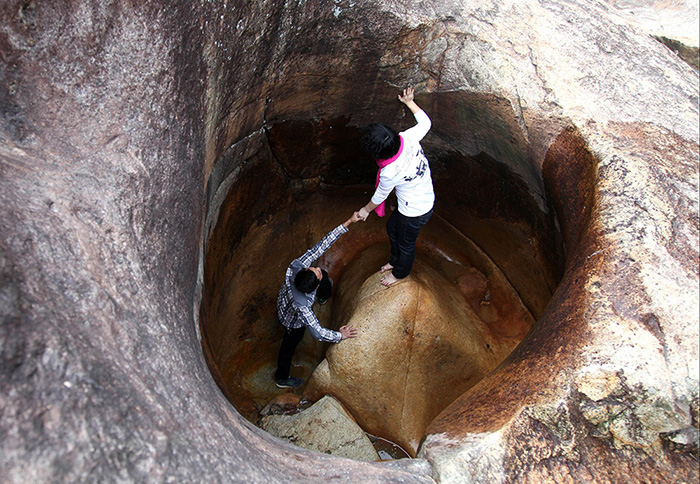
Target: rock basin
x,y
126,125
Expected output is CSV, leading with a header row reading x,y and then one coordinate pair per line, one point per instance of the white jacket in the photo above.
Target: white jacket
x,y
409,173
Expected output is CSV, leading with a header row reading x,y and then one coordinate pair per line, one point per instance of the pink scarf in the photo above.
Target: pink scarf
x,y
382,163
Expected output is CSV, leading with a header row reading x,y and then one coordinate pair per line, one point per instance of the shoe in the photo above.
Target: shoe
x,y
290,382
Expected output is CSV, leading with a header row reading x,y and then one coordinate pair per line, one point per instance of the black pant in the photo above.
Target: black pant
x,y
403,232
292,337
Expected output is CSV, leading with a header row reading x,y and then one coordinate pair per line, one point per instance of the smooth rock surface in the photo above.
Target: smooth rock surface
x,y
420,346
672,19
124,123
324,427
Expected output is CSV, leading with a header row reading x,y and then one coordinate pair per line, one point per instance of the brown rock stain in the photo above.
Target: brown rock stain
x,y
531,369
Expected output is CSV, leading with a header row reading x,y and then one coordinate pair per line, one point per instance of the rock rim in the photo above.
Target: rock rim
x,y
104,191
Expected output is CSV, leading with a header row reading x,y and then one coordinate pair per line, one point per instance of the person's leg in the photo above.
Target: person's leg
x,y
407,245
396,228
290,341
393,231
325,288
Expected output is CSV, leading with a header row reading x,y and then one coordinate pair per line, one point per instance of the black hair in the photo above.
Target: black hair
x,y
306,281
379,141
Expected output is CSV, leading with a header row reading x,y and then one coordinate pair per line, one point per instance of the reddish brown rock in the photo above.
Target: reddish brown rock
x,y
125,125
420,346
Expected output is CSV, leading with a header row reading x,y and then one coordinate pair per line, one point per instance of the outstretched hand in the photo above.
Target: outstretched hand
x,y
354,218
362,214
407,96
348,331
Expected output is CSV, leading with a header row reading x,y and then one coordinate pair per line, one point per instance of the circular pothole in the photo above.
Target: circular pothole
x,y
487,264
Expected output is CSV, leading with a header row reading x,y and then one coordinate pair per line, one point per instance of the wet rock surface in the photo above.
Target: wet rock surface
x,y
125,124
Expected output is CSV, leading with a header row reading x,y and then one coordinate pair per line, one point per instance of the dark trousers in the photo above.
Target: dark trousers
x,y
403,233
292,337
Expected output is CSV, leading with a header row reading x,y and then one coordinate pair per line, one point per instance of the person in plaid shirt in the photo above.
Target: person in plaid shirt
x,y
302,285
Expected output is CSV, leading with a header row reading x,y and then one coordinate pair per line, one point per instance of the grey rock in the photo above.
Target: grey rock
x,y
324,427
683,440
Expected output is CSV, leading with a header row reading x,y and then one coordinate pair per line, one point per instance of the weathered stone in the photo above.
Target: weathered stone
x,y
421,345
124,124
284,404
683,440
325,427
672,19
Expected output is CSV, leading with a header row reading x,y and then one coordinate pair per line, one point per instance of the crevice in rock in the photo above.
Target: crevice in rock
x,y
690,55
410,342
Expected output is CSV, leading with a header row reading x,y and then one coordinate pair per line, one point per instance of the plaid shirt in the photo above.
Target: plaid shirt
x,y
293,315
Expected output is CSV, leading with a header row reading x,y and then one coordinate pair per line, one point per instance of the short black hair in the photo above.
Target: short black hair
x,y
306,281
379,141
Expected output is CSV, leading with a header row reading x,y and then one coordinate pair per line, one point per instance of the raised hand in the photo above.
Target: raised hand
x,y
407,95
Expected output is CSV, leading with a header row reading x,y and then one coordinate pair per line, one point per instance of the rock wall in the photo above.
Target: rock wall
x,y
103,176
117,121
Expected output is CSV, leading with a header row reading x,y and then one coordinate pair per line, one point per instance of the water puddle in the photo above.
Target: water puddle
x,y
386,449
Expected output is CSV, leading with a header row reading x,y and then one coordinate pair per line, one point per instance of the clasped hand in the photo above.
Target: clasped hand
x,y
363,214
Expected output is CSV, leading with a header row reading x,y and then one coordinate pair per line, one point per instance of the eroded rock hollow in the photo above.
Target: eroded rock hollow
x,y
162,162
466,313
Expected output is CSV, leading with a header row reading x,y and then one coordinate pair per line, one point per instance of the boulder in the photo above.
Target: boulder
x,y
420,346
324,427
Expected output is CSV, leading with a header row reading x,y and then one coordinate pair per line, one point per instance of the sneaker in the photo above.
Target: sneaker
x,y
290,382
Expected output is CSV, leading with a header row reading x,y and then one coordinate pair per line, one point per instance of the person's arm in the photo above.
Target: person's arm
x,y
317,250
355,217
423,122
322,246
383,190
318,332
364,212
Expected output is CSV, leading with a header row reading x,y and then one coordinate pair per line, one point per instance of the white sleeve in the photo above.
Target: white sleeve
x,y
422,127
383,190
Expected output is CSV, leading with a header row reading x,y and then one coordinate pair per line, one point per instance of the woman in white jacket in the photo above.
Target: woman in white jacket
x,y
404,167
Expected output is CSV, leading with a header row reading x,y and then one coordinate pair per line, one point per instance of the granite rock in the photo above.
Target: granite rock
x,y
324,427
123,123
